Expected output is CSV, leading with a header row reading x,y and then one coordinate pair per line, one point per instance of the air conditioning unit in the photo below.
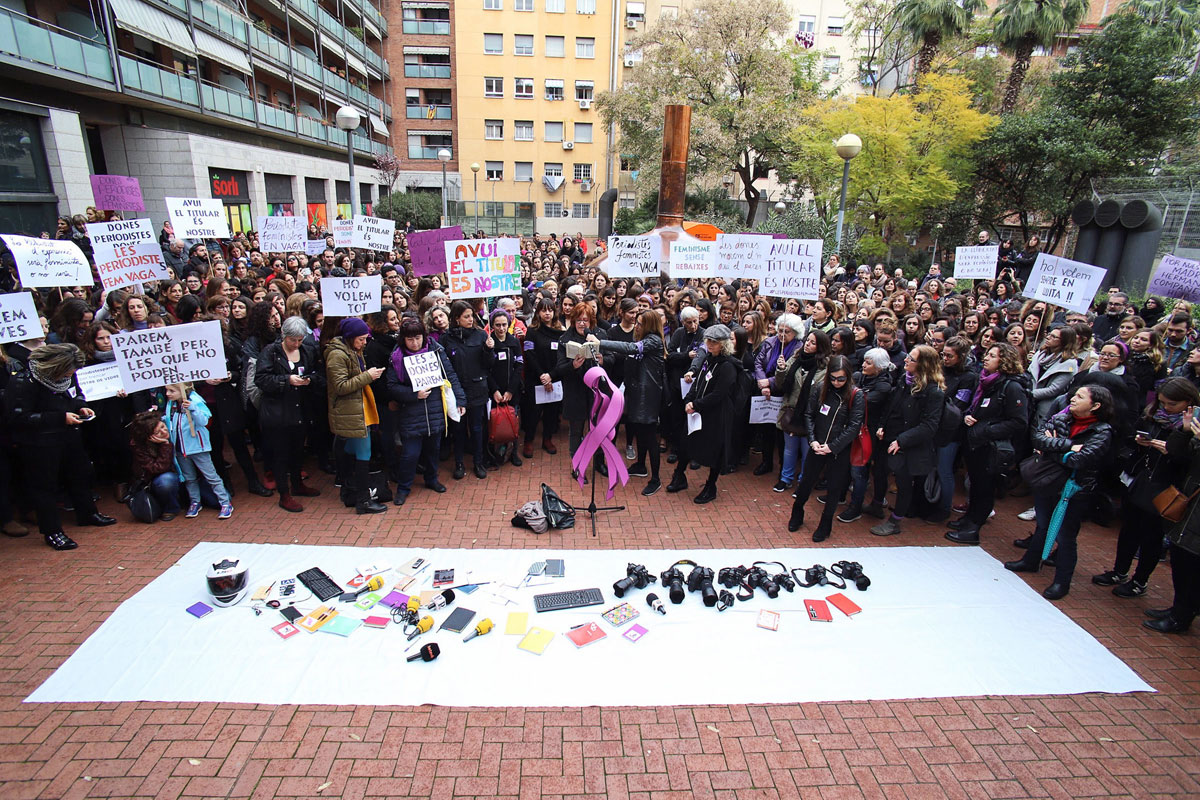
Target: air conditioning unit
x,y
631,24
566,213
586,186
568,145
629,62
584,105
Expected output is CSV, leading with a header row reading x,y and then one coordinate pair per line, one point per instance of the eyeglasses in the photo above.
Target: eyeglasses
x,y
1108,355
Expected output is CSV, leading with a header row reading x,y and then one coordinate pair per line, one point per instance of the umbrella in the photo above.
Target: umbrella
x,y
1056,519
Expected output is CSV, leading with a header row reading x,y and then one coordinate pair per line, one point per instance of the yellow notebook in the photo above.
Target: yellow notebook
x,y
536,640
517,624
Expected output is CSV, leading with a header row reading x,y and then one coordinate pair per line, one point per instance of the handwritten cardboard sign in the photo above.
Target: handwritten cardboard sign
x,y
426,248
18,318
197,217
1176,277
976,263
692,259
126,252
281,234
790,268
424,370
343,232
48,262
99,381
632,257
483,267
117,193
1070,284
160,356
373,233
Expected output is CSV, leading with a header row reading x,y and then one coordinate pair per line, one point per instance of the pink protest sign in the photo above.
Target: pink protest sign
x,y
117,193
425,247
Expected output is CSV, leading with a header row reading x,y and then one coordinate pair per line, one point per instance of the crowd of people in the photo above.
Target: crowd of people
x,y
922,384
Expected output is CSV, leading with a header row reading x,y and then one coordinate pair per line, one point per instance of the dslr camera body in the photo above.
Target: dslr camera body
x,y
636,577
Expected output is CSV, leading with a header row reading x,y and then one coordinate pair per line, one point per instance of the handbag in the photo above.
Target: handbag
x,y
559,513
1172,504
502,425
143,504
1044,474
862,446
787,421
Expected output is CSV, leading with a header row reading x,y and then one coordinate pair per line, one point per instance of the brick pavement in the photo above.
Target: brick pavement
x,y
1077,746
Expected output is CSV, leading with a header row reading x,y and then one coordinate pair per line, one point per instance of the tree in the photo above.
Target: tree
x,y
885,48
733,64
424,208
1022,25
931,21
1180,17
389,168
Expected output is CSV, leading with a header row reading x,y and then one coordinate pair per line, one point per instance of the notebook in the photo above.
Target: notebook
x,y
517,624
536,640
586,634
341,625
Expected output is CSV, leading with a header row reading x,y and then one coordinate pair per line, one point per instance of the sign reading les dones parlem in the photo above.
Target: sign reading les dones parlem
x,y
424,370
44,263
159,356
127,252
483,267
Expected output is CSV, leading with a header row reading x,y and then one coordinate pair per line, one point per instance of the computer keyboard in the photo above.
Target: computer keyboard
x,y
558,601
319,583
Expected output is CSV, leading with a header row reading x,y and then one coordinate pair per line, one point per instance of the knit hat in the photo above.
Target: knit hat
x,y
351,328
717,333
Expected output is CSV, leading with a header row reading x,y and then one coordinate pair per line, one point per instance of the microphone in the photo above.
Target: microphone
x,y
373,585
428,652
413,606
484,626
422,625
653,601
441,600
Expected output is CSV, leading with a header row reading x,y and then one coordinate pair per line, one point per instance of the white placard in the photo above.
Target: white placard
x,y
1070,284
159,356
740,255
127,253
99,381
19,318
315,247
483,267
789,268
976,263
373,233
281,234
692,259
765,410
48,262
343,232
424,370
352,296
633,256
684,386
694,422
197,218
542,395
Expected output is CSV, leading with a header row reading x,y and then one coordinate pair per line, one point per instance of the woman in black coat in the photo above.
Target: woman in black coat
x,y
877,381
685,343
541,371
710,396
908,430
832,420
284,373
997,412
577,397
1184,445
378,353
506,379
470,351
645,374
961,381
1079,438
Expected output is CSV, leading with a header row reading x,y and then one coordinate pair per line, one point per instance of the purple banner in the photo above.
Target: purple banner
x,y
117,193
1176,277
428,254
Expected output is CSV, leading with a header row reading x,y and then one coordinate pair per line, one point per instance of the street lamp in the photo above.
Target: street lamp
x,y
475,169
444,156
847,148
348,119
780,207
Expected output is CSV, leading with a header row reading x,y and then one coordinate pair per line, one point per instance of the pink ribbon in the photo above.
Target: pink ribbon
x,y
606,414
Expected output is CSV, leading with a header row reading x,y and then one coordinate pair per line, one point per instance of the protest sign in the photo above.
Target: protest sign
x,y
976,263
48,262
483,267
281,234
117,193
99,381
127,253
1066,283
314,247
790,268
1176,277
691,259
632,257
159,356
424,370
373,233
197,218
349,297
343,232
18,318
740,255
426,249
765,410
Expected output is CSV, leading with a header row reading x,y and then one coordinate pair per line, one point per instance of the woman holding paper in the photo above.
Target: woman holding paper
x,y
471,352
541,370
710,398
577,397
285,370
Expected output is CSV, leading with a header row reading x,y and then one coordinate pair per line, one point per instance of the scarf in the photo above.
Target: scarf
x,y
1081,424
909,378
104,356
52,385
804,361
986,379
1170,421
781,349
398,356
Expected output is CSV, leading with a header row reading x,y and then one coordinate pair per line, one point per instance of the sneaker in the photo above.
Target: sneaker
x,y
850,514
1110,578
1130,589
193,511
886,528
639,471
822,499
630,452
651,488
1028,515
226,511
780,486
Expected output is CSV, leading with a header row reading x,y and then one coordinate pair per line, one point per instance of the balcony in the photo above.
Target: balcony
x,y
387,110
359,95
427,112
311,128
374,59
275,49
41,43
336,82
330,24
427,70
308,67
221,18
147,78
427,27
307,7
276,118
416,151
372,14
355,44
221,100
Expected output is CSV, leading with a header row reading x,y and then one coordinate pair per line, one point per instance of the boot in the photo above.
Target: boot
x,y
527,450
344,463
1025,564
850,513
875,510
479,470
301,489
1171,624
707,494
289,503
796,521
678,482
764,468
255,487
514,457
961,524
889,527
364,503
548,445
820,534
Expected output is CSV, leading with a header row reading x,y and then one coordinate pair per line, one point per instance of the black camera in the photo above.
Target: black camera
x,y
700,579
814,576
673,580
636,577
729,577
851,571
724,600
786,581
757,578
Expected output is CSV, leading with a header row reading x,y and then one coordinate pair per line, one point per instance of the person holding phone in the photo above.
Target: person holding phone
x,y
284,374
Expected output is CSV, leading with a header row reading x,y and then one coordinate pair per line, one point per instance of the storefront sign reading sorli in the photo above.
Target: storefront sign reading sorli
x,y
229,185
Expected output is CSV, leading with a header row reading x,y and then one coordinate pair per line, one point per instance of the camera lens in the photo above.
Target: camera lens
x,y
622,586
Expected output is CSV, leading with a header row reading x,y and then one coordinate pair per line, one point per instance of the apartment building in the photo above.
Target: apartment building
x,y
204,98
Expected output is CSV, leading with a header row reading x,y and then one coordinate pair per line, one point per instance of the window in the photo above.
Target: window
x,y
493,87
668,12
551,169
556,6
495,170
555,46
554,89
581,210
553,209
832,65
554,132
585,47
585,6
807,24
627,202
1039,51
493,44
583,90
987,51
523,5
493,209
834,26
523,173
583,132
426,145
493,129
493,5
583,172
523,130
524,88
523,44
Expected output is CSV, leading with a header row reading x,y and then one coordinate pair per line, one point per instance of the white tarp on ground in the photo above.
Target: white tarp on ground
x,y
936,622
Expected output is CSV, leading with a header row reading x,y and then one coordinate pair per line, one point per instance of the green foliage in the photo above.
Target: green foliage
x,y
712,206
933,21
802,222
423,208
1022,25
1180,18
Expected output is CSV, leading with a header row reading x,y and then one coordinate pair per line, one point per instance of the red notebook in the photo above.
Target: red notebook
x,y
818,611
586,634
843,604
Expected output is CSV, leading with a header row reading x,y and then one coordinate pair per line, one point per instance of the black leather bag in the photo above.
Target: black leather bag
x,y
559,513
1044,473
143,504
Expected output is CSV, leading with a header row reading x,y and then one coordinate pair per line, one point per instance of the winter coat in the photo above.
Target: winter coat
x,y
577,397
711,396
1001,416
644,376
1185,534
541,355
1050,381
878,389
1096,440
507,373
834,422
282,403
766,360
189,429
913,420
151,459
378,353
1151,470
345,379
417,417
960,386
38,416
795,394
678,361
471,359
617,334
1142,371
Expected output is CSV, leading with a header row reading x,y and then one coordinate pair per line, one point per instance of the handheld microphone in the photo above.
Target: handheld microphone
x,y
413,606
373,585
441,600
485,626
423,625
656,604
427,652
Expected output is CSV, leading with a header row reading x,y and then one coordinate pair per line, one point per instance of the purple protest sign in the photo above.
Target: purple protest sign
x,y
428,254
117,193
1176,277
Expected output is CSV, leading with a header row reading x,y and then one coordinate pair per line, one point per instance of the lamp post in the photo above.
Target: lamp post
x,y
475,169
847,148
444,156
348,119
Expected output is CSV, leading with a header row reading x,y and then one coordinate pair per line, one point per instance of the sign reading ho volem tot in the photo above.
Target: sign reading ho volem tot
x,y
1066,283
117,193
351,296
126,252
159,356
424,370
197,218
1176,277
633,256
45,263
373,233
483,267
18,318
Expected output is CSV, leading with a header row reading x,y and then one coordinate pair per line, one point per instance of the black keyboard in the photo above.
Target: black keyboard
x,y
319,583
558,601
